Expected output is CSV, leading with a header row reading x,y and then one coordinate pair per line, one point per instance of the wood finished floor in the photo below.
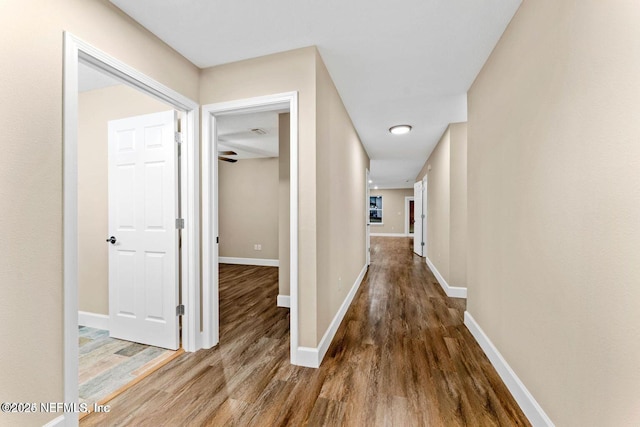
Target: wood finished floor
x,y
108,364
402,357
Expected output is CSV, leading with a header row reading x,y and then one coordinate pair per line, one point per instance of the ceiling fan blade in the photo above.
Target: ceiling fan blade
x,y
227,153
226,159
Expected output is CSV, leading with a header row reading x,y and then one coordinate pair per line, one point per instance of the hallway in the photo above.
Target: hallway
x,y
402,357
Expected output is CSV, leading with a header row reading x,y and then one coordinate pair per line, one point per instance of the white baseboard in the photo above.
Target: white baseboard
x,y
308,357
284,301
525,399
249,261
451,291
312,357
93,320
390,235
58,421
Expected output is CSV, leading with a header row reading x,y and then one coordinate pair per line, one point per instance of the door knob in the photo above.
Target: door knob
x,y
112,240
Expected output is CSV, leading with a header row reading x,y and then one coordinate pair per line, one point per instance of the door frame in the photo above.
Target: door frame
x,y
210,297
425,220
418,219
367,192
407,212
75,51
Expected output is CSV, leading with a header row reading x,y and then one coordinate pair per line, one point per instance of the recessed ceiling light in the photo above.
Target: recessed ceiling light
x,y
400,129
375,188
370,181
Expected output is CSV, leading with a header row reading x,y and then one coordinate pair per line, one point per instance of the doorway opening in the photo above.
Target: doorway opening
x,y
215,146
253,222
409,216
419,216
128,193
149,193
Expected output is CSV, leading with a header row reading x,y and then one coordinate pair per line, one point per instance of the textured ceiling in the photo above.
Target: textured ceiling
x,y
235,134
403,61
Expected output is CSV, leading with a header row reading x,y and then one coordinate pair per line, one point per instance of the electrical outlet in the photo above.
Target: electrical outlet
x,y
257,247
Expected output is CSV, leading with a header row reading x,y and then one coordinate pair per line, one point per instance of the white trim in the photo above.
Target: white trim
x,y
209,168
312,357
337,319
190,211
74,51
249,261
70,223
425,212
367,237
407,211
525,399
284,301
451,291
419,242
210,208
57,421
93,320
308,357
390,235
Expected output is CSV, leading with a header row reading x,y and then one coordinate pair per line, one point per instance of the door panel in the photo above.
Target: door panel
x,y
125,281
125,204
143,206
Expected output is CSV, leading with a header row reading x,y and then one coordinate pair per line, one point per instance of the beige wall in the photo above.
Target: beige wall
x,y
439,206
284,225
447,205
95,109
332,164
554,206
248,208
393,210
458,205
341,186
31,176
283,72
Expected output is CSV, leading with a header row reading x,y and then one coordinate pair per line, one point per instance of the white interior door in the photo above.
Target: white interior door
x,y
418,243
143,250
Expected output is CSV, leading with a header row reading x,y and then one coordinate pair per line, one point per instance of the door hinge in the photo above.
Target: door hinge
x,y
423,216
180,310
421,243
179,223
178,137
217,239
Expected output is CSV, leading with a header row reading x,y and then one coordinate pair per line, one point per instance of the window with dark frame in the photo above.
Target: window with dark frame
x,y
375,210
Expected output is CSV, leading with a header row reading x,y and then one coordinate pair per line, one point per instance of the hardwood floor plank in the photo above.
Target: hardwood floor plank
x,y
102,364
327,412
401,357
